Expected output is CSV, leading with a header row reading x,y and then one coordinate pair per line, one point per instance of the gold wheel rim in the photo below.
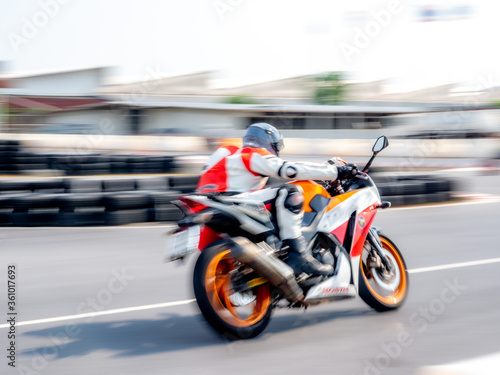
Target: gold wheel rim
x,y
400,291
219,289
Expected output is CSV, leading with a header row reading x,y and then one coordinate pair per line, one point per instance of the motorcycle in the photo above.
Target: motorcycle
x,y
241,274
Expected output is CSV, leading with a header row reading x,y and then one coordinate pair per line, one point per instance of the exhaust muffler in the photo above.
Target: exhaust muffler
x,y
278,273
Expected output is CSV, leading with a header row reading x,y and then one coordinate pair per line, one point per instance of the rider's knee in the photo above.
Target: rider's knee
x,y
294,199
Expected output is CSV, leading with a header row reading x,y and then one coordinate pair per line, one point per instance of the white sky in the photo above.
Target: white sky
x,y
255,40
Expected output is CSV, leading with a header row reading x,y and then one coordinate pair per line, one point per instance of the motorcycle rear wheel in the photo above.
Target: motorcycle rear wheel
x,y
379,292
232,314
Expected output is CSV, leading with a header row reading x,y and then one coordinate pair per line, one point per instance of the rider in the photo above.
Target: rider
x,y
246,170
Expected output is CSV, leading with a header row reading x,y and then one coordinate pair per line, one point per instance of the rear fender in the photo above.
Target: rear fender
x,y
207,237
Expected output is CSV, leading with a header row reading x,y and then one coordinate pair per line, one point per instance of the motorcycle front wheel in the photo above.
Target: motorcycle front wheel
x,y
233,314
380,289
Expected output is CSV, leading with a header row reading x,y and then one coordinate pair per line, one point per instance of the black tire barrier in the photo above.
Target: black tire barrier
x,y
9,143
124,217
9,148
81,218
175,181
25,203
48,186
89,169
92,201
83,185
184,184
126,201
7,156
11,186
13,161
162,198
71,201
168,213
7,200
9,169
152,184
119,165
5,219
34,219
412,185
185,189
116,185
402,188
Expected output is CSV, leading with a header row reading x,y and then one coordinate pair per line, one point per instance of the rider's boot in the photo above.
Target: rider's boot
x,y
300,260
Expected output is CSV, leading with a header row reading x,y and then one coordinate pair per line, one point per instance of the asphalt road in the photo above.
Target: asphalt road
x,y
451,315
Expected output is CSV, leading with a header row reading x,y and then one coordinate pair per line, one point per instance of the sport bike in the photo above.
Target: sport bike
x,y
241,274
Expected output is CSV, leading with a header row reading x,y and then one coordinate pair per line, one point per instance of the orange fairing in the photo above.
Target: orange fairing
x,y
310,189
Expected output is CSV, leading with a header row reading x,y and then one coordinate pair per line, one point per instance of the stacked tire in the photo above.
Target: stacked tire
x,y
411,190
8,152
87,201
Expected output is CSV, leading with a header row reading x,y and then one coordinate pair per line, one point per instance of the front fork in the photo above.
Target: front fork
x,y
374,240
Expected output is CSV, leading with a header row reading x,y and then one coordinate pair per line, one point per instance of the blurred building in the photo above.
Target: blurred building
x,y
80,101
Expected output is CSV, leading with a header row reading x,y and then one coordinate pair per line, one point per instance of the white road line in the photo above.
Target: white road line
x,y
185,302
486,365
490,199
455,265
100,313
109,227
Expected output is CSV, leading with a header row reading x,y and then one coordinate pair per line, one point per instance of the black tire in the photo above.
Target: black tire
x,y
118,185
209,301
162,198
176,181
126,217
15,185
152,184
83,218
34,219
70,201
369,295
82,185
53,185
167,213
24,203
126,201
89,169
188,189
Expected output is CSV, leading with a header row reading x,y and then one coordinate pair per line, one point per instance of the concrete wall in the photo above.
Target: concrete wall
x,y
108,122
193,120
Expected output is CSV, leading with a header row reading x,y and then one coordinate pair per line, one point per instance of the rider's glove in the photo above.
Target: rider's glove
x,y
347,171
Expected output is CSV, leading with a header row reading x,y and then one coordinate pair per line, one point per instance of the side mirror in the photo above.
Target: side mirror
x,y
381,143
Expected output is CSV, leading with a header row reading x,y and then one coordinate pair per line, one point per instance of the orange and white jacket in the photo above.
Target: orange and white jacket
x,y
239,170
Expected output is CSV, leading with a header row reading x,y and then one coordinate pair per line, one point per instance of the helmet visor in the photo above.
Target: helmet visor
x,y
269,138
280,145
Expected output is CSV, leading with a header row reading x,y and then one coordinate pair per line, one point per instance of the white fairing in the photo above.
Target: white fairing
x,y
245,213
334,287
359,202
355,270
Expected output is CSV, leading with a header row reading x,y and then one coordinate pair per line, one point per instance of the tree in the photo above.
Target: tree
x,y
330,89
241,99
